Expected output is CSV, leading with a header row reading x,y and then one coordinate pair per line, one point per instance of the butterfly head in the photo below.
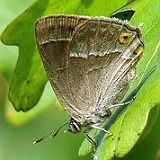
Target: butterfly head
x,y
74,127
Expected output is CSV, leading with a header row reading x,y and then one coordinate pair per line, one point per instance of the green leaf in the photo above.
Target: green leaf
x,y
146,141
8,56
131,123
29,77
20,118
28,80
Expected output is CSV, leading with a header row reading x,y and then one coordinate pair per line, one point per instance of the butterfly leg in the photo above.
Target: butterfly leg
x,y
96,126
121,104
93,143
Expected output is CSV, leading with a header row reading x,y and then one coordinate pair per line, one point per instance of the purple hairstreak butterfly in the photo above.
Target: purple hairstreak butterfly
x,y
90,62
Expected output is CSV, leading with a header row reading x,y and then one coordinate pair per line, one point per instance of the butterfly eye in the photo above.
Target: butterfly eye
x,y
125,38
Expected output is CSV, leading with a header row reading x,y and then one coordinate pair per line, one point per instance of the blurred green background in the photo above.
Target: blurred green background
x,y
18,130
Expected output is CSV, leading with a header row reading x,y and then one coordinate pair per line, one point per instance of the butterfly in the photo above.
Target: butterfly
x,y
90,63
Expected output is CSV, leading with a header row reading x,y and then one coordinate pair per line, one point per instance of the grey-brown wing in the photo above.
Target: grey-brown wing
x,y
86,63
100,64
53,35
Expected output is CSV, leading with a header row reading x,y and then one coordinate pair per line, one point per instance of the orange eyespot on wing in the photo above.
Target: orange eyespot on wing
x,y
125,38
139,52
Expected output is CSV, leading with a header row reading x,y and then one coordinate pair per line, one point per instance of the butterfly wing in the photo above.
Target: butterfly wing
x,y
53,35
101,66
87,65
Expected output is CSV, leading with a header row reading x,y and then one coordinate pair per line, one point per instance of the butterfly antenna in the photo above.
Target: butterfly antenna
x,y
52,134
